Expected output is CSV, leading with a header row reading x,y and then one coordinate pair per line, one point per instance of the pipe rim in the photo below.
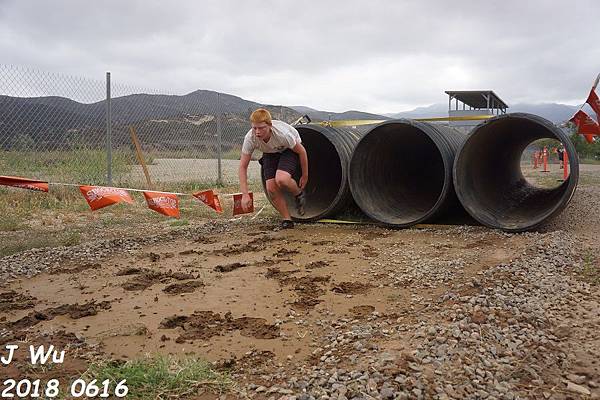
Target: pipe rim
x,y
343,149
569,190
437,138
344,171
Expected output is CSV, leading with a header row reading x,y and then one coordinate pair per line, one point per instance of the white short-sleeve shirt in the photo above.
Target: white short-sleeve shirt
x,y
283,136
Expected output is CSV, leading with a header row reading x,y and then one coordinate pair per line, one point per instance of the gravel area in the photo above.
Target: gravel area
x,y
506,341
32,262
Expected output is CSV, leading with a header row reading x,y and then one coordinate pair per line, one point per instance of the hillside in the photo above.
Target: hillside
x,y
317,115
162,121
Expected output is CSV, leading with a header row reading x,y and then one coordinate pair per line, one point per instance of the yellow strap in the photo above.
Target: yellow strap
x,y
461,118
417,226
357,122
338,221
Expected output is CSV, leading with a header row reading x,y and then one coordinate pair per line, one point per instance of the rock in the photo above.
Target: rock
x,y
562,331
575,388
386,393
578,379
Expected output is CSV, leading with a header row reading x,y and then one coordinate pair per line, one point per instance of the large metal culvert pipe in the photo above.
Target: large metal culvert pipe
x,y
488,177
329,150
401,172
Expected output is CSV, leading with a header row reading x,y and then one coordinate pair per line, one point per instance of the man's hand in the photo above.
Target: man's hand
x,y
303,181
246,202
301,151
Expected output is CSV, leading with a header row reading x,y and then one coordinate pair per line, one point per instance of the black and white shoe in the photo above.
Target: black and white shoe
x,y
287,224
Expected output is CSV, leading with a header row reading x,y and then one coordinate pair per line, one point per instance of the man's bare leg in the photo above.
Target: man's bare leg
x,y
276,195
284,180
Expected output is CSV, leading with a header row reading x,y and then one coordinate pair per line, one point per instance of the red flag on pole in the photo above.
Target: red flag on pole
x,y
586,126
100,196
209,198
594,102
164,203
24,183
237,204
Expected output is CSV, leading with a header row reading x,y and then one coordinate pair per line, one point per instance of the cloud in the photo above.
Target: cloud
x,y
377,56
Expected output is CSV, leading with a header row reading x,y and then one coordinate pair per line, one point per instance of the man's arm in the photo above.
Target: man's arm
x,y
243,172
243,176
301,151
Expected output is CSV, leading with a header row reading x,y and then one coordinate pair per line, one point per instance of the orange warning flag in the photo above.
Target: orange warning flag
x,y
164,203
594,102
24,183
586,126
209,198
237,204
100,196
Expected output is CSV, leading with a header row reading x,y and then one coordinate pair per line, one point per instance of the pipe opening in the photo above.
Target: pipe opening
x,y
532,164
397,174
324,174
489,180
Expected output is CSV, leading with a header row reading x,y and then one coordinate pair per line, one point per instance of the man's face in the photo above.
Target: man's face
x,y
261,130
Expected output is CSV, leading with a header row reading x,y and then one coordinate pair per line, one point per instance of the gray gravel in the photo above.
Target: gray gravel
x,y
32,262
505,342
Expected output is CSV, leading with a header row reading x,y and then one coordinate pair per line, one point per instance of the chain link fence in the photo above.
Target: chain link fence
x,y
77,130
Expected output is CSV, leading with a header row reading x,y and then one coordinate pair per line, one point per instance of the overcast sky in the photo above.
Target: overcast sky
x,y
377,56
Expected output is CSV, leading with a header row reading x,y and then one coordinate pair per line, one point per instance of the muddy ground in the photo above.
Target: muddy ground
x,y
281,309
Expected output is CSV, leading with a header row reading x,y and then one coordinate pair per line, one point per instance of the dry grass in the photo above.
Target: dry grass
x,y
63,218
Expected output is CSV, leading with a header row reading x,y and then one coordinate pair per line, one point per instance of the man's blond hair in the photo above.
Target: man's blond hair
x,y
261,115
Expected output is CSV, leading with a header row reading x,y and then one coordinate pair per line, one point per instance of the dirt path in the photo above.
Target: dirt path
x,y
253,289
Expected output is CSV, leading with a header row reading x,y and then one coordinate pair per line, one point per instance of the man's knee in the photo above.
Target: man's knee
x,y
272,188
282,179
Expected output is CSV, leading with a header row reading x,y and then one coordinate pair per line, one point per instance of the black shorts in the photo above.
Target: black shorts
x,y
287,161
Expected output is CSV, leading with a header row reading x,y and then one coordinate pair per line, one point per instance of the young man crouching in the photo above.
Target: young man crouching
x,y
284,163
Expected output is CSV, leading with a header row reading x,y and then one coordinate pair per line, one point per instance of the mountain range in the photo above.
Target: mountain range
x,y
175,122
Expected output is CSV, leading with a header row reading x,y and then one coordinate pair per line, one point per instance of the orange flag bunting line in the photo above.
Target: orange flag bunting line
x,y
24,183
586,126
164,203
209,198
101,196
237,204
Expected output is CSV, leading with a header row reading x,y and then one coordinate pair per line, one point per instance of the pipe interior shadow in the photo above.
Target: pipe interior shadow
x,y
397,174
324,174
489,180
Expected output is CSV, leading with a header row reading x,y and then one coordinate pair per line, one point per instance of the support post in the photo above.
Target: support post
x,y
108,132
545,159
219,142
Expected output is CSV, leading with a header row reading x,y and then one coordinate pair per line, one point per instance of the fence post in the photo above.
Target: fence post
x,y
219,141
108,132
